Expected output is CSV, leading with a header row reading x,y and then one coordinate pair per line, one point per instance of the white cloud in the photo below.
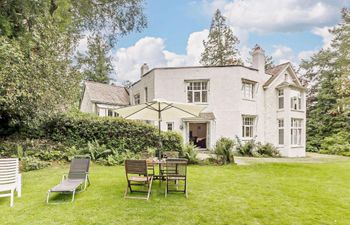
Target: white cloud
x,y
151,50
305,55
282,54
323,32
277,15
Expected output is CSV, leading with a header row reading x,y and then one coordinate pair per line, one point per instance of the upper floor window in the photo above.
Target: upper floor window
x,y
197,92
146,94
296,131
248,124
280,131
170,126
280,99
248,89
295,100
137,99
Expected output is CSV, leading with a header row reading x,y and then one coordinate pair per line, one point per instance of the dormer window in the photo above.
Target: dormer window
x,y
248,88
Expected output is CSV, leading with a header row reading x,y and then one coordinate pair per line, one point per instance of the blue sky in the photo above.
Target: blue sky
x,y
289,30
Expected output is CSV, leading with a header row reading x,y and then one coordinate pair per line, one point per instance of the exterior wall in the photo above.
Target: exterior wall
x,y
86,104
225,100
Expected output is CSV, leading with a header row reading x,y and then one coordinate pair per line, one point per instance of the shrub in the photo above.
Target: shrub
x,y
32,163
224,150
338,144
190,152
267,150
114,133
247,148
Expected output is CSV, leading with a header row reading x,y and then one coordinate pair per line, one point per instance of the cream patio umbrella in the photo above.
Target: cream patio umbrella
x,y
160,109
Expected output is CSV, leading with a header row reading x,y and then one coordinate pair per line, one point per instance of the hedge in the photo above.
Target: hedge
x,y
117,133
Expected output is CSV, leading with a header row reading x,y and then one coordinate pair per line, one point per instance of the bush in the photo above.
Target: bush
x,y
114,133
247,148
224,150
267,150
31,163
190,152
337,144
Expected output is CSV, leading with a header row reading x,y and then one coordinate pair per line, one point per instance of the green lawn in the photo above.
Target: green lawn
x,y
255,194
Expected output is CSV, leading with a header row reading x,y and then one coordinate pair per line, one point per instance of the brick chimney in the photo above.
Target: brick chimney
x,y
258,61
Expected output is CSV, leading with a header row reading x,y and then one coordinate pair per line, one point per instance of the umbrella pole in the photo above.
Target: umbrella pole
x,y
159,132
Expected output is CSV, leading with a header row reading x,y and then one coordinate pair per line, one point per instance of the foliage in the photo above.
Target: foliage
x,y
96,63
224,150
37,44
338,144
221,47
256,149
326,74
269,63
32,163
115,133
190,152
267,150
247,148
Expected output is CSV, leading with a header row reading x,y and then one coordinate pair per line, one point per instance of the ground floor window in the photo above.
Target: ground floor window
x,y
280,131
170,126
248,124
296,131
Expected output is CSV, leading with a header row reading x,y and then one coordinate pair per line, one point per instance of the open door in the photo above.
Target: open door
x,y
198,134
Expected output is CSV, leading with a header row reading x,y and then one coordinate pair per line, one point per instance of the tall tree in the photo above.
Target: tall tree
x,y
96,63
221,47
324,74
269,63
37,45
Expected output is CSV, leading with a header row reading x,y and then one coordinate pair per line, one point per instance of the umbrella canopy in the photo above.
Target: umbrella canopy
x,y
160,109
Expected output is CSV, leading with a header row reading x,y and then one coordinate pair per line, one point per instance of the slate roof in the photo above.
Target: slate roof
x,y
106,93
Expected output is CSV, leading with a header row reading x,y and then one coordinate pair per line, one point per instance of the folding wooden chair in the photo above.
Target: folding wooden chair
x,y
176,173
136,172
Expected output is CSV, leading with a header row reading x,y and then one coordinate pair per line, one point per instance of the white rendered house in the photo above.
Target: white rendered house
x,y
247,102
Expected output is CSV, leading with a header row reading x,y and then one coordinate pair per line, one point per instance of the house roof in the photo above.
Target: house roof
x,y
106,93
274,72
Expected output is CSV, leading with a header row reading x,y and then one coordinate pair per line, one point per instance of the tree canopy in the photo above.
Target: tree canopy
x,y
221,47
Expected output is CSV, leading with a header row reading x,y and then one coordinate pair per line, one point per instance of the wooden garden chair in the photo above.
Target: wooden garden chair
x,y
176,175
136,172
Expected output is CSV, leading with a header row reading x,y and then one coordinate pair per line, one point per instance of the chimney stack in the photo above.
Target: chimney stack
x,y
258,61
144,69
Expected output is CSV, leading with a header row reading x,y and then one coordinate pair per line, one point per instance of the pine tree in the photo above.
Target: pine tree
x,y
269,63
327,75
221,47
96,64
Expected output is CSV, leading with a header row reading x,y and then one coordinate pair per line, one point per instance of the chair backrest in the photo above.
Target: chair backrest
x,y
8,171
170,154
136,167
176,167
79,168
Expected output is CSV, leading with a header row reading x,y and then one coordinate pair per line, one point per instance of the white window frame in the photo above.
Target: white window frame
x,y
137,99
280,98
248,90
280,124
171,124
296,131
197,88
248,126
295,101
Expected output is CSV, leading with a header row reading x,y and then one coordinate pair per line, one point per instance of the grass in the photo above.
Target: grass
x,y
267,193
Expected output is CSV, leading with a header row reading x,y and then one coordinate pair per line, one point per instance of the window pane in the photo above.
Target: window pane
x,y
189,97
197,96
281,102
281,136
204,96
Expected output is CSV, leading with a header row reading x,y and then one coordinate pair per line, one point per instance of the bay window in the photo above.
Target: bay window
x,y
296,131
280,99
280,131
295,100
